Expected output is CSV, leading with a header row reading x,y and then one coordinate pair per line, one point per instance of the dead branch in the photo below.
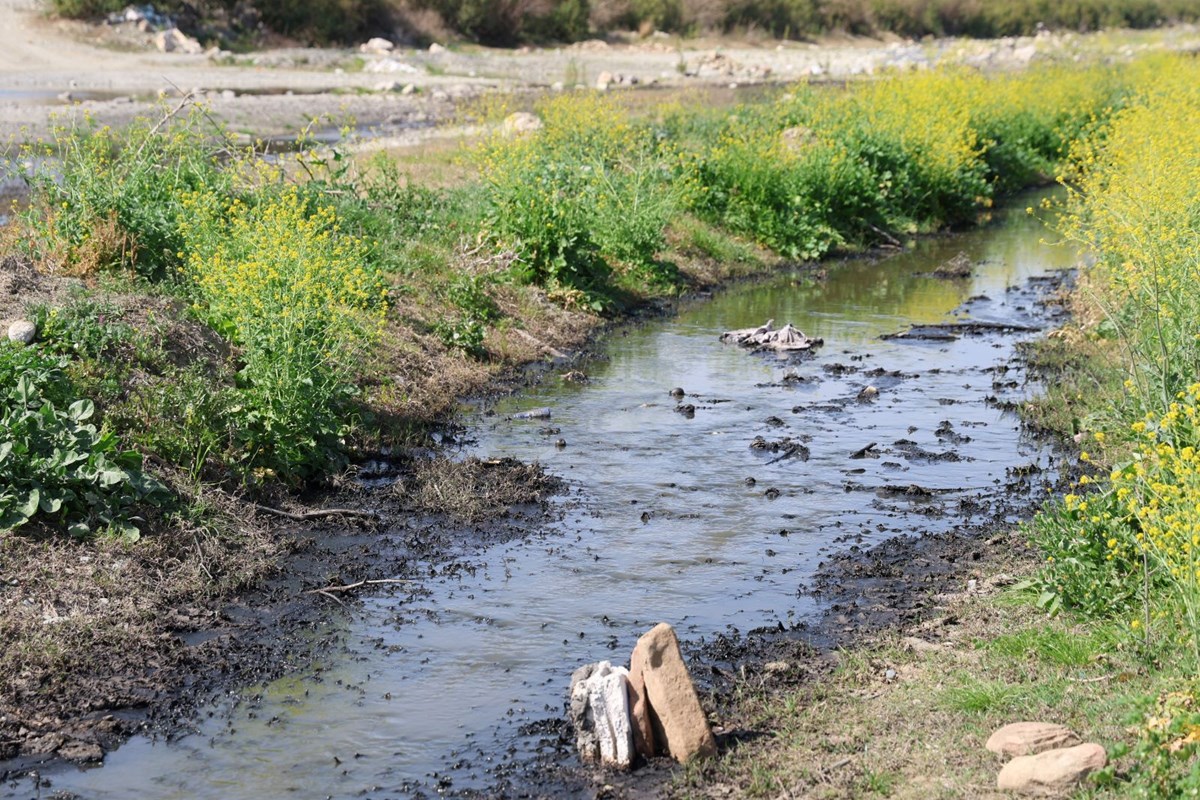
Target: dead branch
x,y
328,590
323,512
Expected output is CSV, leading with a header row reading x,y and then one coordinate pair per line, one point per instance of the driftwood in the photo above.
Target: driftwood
x,y
766,337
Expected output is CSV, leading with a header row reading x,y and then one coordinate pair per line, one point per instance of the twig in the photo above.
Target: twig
x,y
539,343
187,99
200,554
891,239
351,586
332,597
1097,679
324,512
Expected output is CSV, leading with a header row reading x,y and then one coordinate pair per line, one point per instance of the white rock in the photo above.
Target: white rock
x,y
605,78
408,89
22,331
386,66
609,701
436,48
1023,55
521,123
599,710
176,41
376,45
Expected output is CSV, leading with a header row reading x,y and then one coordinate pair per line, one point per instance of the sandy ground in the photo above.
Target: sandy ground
x,y
52,67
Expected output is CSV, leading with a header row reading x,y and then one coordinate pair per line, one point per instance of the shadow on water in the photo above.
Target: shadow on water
x,y
672,517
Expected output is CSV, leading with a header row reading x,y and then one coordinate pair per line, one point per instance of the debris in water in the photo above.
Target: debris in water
x,y
765,337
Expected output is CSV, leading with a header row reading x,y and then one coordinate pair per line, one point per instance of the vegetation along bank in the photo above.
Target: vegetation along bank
x,y
215,330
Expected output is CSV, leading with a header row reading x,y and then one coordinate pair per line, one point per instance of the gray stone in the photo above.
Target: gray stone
x,y
1052,773
22,331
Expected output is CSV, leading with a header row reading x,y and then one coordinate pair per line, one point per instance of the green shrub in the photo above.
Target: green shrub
x,y
281,281
59,467
588,190
113,200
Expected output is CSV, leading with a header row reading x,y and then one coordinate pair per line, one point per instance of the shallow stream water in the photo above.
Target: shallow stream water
x,y
442,692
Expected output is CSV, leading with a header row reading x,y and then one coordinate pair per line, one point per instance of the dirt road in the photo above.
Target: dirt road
x,y
50,67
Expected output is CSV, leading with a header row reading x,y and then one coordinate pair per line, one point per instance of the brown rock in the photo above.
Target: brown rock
x,y
1052,773
1030,738
81,752
675,714
639,711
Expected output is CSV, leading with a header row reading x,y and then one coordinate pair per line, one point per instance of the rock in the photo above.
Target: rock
x,y
521,123
387,66
580,713
867,394
639,712
408,89
436,48
1052,773
389,86
439,96
603,80
599,710
376,46
1023,55
22,331
1030,738
81,752
176,41
676,717
797,138
536,413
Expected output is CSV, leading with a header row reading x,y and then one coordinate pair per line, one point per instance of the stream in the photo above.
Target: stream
x,y
444,691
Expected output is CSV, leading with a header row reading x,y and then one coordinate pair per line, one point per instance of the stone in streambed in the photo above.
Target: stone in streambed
x,y
599,711
639,712
1030,738
1052,773
676,717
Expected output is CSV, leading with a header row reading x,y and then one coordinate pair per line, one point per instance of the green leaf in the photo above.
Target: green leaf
x,y
29,506
51,505
112,476
5,449
79,530
81,410
125,530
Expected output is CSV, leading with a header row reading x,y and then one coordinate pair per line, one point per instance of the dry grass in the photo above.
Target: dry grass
x,y
474,490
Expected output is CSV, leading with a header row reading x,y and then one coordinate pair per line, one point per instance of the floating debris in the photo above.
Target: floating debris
x,y
766,337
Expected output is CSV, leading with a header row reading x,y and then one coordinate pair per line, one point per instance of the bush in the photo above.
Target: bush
x,y
59,467
281,281
103,199
588,190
